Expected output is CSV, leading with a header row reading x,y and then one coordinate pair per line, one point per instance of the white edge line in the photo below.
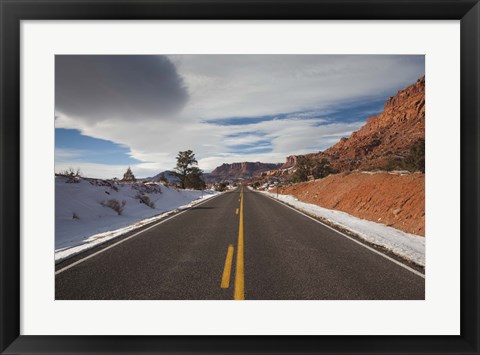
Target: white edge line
x,y
346,236
130,237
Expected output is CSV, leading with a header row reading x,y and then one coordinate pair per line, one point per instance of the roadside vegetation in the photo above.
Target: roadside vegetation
x,y
413,161
221,186
310,168
128,176
115,205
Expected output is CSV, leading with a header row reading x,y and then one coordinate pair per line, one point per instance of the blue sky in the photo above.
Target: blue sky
x,y
82,148
347,112
118,111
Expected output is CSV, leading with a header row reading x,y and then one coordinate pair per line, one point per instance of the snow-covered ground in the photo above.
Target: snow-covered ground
x,y
408,246
83,219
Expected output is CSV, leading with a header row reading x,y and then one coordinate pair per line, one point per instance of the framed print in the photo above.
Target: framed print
x,y
239,177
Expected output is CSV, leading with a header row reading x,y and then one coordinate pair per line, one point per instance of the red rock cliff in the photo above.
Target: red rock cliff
x,y
384,136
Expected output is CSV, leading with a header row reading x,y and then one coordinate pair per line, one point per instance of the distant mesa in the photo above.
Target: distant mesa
x,y
244,170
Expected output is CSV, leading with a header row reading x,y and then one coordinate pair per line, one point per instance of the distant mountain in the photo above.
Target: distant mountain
x,y
243,170
167,175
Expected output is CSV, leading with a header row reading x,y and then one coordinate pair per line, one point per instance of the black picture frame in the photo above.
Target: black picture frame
x,y
12,12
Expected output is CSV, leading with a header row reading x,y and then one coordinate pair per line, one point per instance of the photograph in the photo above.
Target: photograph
x,y
239,177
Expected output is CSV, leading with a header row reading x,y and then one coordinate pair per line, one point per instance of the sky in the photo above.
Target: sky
x,y
116,111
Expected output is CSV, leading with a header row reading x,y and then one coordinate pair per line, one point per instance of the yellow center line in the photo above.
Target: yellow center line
x,y
239,290
228,267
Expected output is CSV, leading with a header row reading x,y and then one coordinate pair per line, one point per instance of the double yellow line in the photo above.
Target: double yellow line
x,y
239,290
239,286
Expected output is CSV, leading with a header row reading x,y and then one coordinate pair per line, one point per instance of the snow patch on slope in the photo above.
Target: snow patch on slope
x,y
405,245
81,221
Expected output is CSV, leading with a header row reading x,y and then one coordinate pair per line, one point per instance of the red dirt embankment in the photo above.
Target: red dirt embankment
x,y
394,199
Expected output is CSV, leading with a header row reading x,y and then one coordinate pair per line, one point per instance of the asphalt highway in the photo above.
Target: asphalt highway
x,y
239,245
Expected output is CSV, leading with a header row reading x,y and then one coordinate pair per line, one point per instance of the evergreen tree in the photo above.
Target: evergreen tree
x,y
221,186
308,166
321,169
304,167
188,174
194,179
128,176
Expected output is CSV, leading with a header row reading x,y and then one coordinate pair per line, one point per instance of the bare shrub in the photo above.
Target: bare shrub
x,y
71,175
115,205
147,188
145,200
70,172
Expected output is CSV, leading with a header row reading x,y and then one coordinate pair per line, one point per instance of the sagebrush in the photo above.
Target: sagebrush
x,y
145,200
115,205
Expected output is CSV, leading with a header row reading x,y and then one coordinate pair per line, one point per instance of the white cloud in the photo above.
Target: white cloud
x,y
66,154
243,85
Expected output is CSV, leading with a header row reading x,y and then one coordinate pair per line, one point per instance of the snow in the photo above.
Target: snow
x,y
405,245
95,224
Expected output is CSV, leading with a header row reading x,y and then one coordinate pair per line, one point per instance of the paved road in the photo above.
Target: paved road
x,y
240,245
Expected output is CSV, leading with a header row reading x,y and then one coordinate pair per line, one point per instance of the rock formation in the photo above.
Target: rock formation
x,y
386,136
243,170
